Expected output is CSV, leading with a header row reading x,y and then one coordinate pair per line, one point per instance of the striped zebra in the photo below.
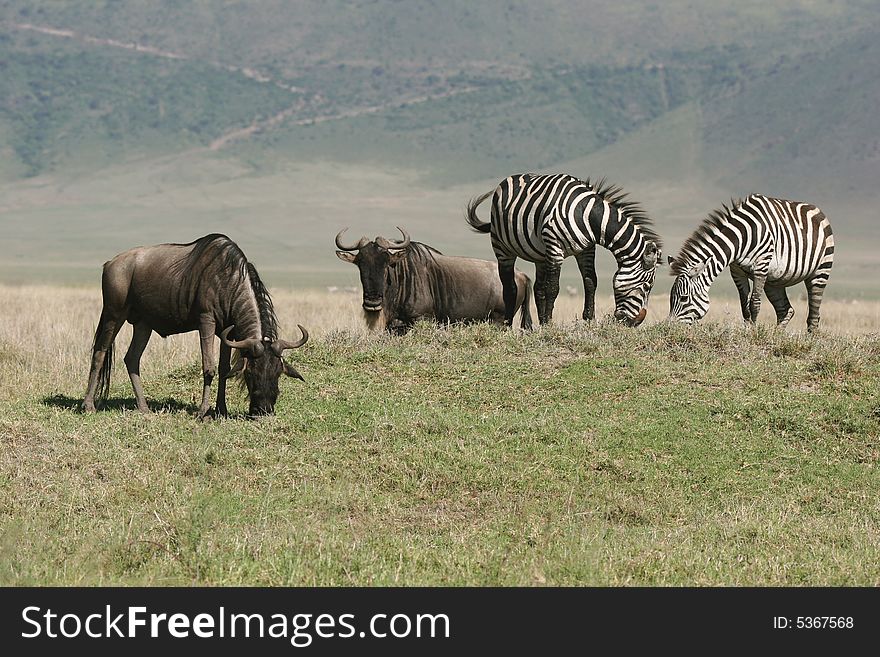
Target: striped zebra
x,y
546,218
769,241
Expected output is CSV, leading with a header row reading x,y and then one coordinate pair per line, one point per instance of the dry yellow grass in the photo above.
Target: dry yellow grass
x,y
53,326
56,324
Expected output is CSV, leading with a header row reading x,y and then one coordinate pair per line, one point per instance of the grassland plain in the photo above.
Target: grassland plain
x,y
573,455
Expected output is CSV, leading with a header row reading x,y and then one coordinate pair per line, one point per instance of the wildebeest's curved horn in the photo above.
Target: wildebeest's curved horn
x,y
280,345
394,244
361,243
237,344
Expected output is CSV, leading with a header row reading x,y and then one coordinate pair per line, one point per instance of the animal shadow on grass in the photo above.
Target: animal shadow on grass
x,y
167,405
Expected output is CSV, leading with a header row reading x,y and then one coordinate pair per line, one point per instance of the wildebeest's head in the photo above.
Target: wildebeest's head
x,y
260,365
373,259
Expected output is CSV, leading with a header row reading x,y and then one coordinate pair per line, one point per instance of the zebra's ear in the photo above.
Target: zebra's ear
x,y
696,270
651,256
670,260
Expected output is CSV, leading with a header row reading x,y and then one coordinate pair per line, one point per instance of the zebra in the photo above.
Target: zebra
x,y
546,218
772,242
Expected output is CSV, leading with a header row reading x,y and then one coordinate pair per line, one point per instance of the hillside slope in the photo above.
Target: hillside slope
x,y
139,122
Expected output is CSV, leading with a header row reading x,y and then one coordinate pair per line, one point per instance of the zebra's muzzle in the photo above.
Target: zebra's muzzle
x,y
632,321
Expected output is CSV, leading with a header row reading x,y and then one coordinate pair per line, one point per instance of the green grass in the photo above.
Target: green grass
x,y
575,455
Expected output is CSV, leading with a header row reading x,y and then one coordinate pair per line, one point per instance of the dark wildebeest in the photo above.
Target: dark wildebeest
x,y
404,281
207,285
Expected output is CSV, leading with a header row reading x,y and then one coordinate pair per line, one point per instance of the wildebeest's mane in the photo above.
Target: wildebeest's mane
x,y
615,196
267,309
227,256
405,278
690,247
420,253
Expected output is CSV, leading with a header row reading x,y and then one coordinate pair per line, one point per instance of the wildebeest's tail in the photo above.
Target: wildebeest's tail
x,y
526,317
103,391
472,218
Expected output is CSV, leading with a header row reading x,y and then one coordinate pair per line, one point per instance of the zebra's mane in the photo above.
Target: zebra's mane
x,y
614,195
716,218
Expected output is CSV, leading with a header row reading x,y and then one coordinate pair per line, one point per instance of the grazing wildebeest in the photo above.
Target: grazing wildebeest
x,y
207,285
404,281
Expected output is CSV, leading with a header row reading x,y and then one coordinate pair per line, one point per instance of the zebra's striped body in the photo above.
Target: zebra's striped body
x,y
770,242
547,218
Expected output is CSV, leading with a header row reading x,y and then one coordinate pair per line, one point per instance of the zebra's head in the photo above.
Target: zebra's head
x,y
689,297
633,283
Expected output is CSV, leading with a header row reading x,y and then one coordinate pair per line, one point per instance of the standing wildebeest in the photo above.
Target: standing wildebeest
x,y
405,280
207,285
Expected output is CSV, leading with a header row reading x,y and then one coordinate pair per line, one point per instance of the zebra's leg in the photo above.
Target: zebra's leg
x,y
741,280
551,287
540,291
508,284
779,299
815,290
586,261
755,301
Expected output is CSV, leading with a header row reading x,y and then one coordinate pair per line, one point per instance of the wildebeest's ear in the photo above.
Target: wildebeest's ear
x,y
395,256
346,256
290,371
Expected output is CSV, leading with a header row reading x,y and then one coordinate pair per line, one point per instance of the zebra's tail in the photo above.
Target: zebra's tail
x,y
526,317
472,218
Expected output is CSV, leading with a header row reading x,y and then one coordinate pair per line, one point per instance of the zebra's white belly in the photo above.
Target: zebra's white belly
x,y
785,274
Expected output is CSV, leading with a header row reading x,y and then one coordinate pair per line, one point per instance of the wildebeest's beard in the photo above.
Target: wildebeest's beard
x,y
261,376
259,365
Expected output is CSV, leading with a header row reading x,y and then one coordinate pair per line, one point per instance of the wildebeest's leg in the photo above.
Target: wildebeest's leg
x,y
508,285
815,290
108,327
779,299
586,261
139,340
209,369
222,374
741,280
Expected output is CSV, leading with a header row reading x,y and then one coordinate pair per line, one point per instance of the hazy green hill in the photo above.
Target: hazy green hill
x,y
136,122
